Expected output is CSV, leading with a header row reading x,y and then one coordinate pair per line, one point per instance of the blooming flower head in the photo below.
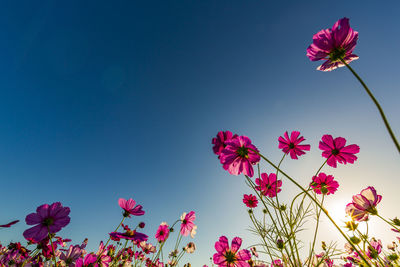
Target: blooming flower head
x,y
231,257
292,144
239,155
90,260
190,247
104,259
130,208
336,151
187,223
220,139
162,232
334,45
363,204
277,263
69,257
129,235
48,219
147,247
268,185
250,200
374,248
324,184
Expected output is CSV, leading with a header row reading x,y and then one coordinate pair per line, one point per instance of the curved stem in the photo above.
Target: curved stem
x,y
317,203
389,129
52,247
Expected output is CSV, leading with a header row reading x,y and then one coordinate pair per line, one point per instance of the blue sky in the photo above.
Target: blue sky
x,y
102,100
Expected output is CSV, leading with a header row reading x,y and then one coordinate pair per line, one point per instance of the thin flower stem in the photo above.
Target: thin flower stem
x,y
316,227
281,216
316,202
262,236
52,247
109,238
389,129
386,221
272,219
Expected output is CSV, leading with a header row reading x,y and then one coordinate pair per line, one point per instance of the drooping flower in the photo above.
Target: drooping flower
x,y
333,45
48,219
187,223
250,200
239,155
130,208
162,232
324,184
268,185
292,144
220,139
363,204
231,257
336,151
89,261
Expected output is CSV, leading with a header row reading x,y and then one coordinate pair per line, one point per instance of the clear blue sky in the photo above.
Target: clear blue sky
x,y
108,99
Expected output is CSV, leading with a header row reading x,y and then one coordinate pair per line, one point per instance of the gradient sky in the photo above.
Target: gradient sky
x,y
108,99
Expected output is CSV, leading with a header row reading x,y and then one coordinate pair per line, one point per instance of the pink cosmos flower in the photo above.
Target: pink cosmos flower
x,y
71,255
219,141
238,156
129,207
333,45
292,145
104,259
90,260
336,151
9,224
268,185
277,263
147,247
363,204
162,232
129,235
231,257
187,223
374,248
324,184
48,219
250,200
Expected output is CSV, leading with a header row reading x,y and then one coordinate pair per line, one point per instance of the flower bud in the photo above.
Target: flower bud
x,y
280,244
355,240
142,225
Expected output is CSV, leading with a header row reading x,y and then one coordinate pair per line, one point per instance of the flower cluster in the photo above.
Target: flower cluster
x,y
127,247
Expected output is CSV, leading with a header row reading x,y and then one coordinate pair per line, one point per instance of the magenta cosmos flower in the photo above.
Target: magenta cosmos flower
x,y
187,222
239,155
129,207
324,184
48,219
231,257
162,232
363,204
220,139
336,151
89,261
334,44
292,144
250,200
268,185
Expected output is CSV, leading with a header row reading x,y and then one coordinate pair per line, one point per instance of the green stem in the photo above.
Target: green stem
x,y
317,203
262,236
386,221
316,227
52,247
109,238
389,129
